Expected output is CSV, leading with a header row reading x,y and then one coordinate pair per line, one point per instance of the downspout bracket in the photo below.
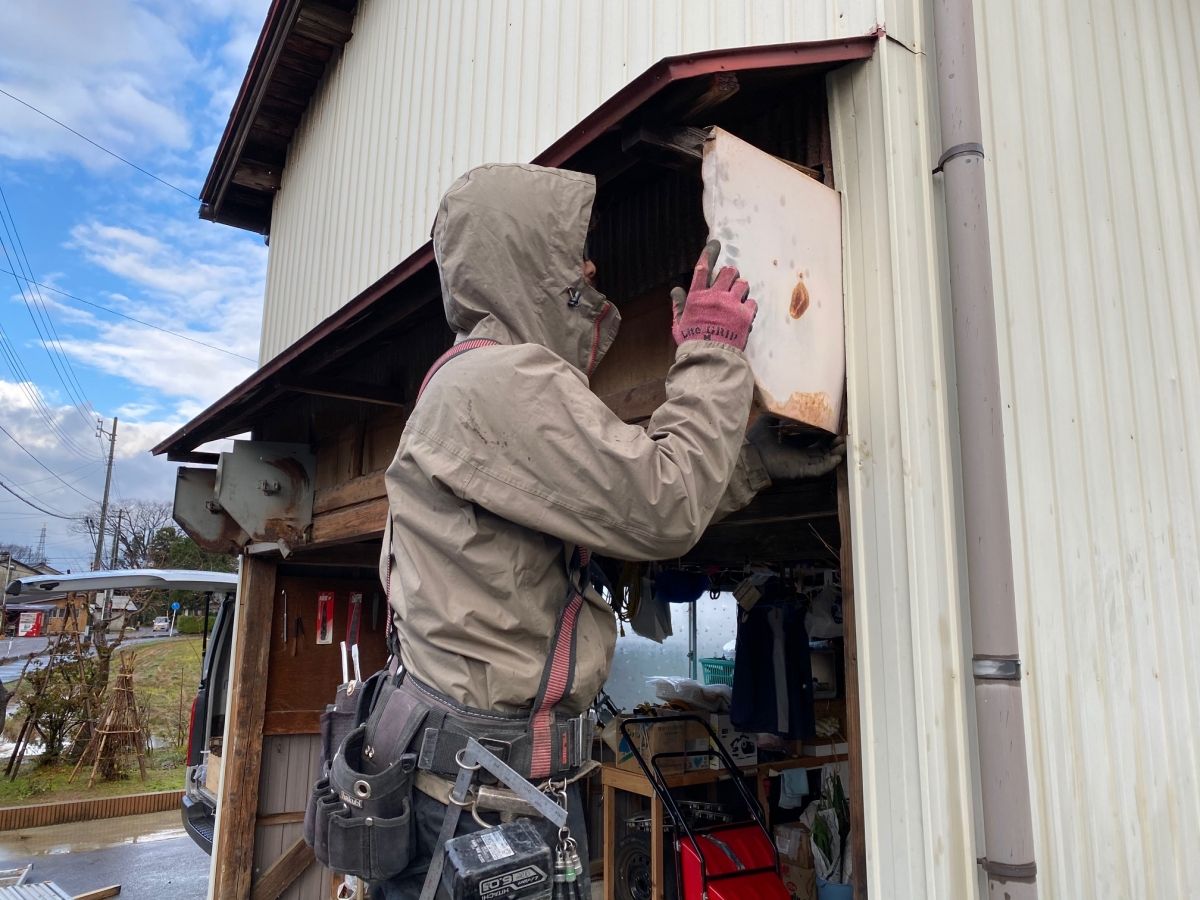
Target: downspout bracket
x,y
990,668
967,149
1008,871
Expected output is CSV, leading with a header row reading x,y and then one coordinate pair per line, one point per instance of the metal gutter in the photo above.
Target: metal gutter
x,y
1009,859
609,114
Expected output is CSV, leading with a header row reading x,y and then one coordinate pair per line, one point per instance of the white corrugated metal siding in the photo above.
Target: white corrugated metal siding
x,y
1092,127
424,91
914,663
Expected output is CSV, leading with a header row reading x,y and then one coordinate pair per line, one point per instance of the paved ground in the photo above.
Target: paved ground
x,y
149,856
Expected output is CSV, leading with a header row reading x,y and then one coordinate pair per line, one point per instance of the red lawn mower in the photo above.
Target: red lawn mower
x,y
733,861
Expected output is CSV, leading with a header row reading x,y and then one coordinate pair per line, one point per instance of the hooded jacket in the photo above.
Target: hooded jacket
x,y
508,457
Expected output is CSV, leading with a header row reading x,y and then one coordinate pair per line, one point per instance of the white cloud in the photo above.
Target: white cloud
x,y
154,81
124,73
197,280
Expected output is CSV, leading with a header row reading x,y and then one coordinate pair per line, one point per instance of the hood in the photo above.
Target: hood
x,y
509,243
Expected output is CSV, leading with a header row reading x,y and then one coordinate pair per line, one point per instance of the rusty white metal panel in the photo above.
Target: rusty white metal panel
x,y
917,711
782,230
1092,130
423,91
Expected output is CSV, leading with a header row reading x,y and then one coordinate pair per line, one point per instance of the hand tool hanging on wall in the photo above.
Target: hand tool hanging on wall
x,y
353,624
285,616
325,617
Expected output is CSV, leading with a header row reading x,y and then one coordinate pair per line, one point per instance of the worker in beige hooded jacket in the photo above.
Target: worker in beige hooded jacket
x,y
509,462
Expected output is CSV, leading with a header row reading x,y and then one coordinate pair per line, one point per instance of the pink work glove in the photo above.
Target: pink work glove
x,y
719,312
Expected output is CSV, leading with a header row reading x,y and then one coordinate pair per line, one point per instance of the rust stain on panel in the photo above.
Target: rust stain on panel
x,y
808,407
799,300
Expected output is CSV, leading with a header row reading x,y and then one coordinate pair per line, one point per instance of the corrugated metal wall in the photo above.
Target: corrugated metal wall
x,y
913,658
1092,126
458,83
289,766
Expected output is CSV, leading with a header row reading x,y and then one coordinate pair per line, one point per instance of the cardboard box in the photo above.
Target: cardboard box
x,y
668,737
742,746
794,843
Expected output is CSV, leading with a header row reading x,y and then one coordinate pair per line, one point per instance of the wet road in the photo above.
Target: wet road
x,y
22,647
149,856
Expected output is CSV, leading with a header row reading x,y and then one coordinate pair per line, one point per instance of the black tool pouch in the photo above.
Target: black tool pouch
x,y
373,840
349,709
362,821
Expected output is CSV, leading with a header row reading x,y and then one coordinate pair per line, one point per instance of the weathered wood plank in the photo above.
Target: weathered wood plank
x,y
234,850
357,490
351,523
284,871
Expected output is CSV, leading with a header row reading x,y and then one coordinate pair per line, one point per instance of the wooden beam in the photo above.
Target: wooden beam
x,y
238,804
721,87
194,456
257,176
289,722
324,24
283,818
100,893
858,823
686,141
350,523
356,490
283,872
358,391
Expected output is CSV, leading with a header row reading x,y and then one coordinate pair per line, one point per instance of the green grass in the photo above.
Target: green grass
x,y
166,674
48,784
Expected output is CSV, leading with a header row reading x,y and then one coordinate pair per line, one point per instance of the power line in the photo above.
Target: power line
x,y
117,156
24,266
13,360
38,315
44,466
28,502
122,315
72,471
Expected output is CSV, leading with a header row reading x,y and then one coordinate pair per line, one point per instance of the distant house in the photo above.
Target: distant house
x,y
10,570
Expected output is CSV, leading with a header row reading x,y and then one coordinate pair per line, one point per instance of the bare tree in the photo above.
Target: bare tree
x,y
20,552
140,521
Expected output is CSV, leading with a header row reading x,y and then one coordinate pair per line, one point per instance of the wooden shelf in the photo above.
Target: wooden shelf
x,y
634,781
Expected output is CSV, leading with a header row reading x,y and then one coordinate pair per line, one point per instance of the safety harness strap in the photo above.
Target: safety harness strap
x,y
456,350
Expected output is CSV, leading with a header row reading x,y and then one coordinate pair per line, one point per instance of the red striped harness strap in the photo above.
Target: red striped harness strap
x,y
558,675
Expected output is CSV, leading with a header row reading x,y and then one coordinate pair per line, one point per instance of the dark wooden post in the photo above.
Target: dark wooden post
x,y
237,808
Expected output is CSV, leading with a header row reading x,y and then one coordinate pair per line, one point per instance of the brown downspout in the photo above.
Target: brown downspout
x,y
1003,771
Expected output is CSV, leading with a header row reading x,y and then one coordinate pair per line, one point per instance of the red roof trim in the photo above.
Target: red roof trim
x,y
611,112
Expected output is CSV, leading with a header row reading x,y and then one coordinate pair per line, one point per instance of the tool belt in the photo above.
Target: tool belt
x,y
446,726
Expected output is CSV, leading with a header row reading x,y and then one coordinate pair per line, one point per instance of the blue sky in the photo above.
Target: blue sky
x,y
154,82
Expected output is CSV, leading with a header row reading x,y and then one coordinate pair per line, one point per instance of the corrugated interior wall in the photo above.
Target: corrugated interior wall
x,y
910,605
289,765
424,91
1092,129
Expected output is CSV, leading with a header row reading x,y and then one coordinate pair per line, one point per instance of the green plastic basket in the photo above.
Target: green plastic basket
x,y
717,671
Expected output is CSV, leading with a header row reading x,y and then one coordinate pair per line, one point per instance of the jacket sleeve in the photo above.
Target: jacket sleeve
x,y
536,446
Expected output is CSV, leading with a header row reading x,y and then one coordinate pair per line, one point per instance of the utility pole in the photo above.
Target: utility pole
x,y
8,570
106,615
112,445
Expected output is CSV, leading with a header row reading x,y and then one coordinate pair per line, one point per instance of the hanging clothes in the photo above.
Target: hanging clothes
x,y
772,675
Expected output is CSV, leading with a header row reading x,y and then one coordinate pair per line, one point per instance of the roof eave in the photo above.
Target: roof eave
x,y
608,114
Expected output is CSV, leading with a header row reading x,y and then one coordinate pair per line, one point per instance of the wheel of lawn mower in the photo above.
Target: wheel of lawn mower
x,y
633,869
